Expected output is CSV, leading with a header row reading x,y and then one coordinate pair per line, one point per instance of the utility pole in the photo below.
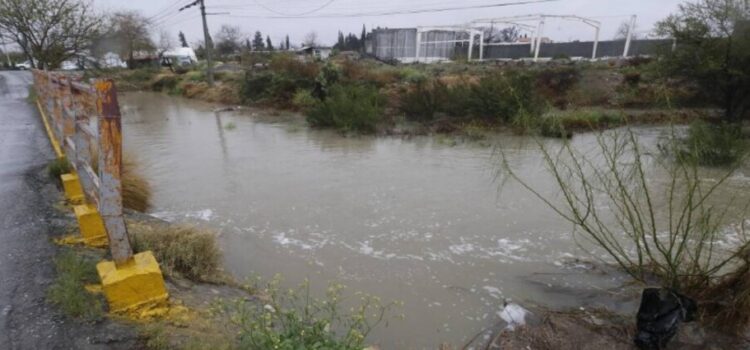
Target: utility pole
x,y
209,47
206,39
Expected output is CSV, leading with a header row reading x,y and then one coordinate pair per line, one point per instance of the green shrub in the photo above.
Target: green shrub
x,y
287,64
354,108
423,99
303,99
284,86
167,82
68,292
457,100
501,96
558,80
273,87
411,75
712,145
293,319
58,167
329,76
141,75
255,86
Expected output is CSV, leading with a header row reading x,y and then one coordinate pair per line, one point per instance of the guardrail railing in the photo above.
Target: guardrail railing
x,y
86,123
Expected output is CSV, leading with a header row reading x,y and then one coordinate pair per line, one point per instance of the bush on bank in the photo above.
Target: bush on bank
x,y
712,144
350,108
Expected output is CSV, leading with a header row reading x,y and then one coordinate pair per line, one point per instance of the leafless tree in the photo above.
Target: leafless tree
x,y
49,31
311,39
622,31
501,35
165,42
228,40
129,31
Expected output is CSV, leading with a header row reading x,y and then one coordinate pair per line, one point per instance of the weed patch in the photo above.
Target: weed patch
x,y
58,167
294,319
68,291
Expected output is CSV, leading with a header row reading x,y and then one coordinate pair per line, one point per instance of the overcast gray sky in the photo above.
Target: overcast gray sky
x,y
326,17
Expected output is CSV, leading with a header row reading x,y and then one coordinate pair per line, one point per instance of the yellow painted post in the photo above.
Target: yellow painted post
x,y
129,281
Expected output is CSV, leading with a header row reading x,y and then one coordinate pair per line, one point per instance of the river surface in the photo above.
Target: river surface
x,y
421,220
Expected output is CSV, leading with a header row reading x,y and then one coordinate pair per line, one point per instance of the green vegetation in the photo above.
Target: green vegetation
x,y
31,97
444,97
712,145
58,167
181,250
351,108
68,292
294,319
668,232
423,99
713,52
230,126
503,96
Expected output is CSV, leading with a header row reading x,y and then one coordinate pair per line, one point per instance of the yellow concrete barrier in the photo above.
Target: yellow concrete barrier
x,y
136,285
91,225
72,187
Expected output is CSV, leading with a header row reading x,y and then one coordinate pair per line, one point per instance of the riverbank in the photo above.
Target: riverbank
x,y
552,99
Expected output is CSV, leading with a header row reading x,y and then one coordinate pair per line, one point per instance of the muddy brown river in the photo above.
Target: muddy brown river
x,y
421,220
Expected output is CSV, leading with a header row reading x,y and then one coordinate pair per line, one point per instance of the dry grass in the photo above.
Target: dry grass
x,y
136,191
181,250
726,304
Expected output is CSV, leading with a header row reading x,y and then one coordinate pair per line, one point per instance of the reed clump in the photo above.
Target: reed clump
x,y
181,250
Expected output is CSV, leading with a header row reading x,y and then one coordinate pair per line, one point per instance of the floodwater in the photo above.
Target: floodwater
x,y
420,220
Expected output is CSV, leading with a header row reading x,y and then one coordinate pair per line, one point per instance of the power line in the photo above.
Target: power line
x,y
401,12
164,12
297,14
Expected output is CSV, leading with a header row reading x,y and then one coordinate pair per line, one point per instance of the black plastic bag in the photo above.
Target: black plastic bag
x,y
659,317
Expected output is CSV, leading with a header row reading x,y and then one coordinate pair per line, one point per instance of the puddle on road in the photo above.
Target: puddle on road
x,y
415,220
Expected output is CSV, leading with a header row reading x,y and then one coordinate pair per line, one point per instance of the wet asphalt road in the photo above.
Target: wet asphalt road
x,y
27,223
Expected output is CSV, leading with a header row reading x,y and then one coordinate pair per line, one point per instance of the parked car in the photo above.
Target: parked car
x,y
24,65
69,65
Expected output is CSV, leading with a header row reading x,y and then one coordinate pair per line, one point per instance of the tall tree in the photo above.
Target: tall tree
x,y
49,31
165,42
340,42
129,32
228,40
183,41
269,45
712,52
501,35
362,38
311,39
258,43
287,42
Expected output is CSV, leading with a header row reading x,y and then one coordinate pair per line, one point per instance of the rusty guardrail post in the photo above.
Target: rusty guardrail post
x,y
131,281
110,171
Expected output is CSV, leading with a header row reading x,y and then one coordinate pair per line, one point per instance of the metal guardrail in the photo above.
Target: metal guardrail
x,y
86,122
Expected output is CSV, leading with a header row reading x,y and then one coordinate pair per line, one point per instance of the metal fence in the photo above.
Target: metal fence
x,y
85,122
436,44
